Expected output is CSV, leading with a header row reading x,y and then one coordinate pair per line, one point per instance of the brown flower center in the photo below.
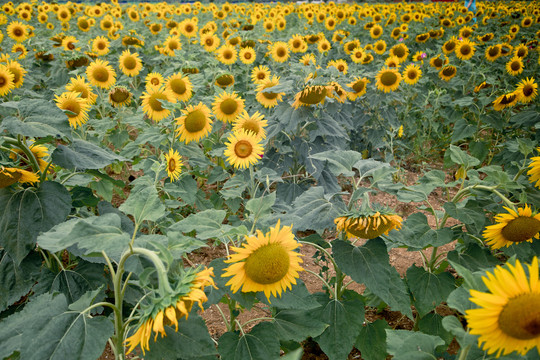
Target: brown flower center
x,y
521,228
251,125
313,96
228,106
243,149
172,165
154,102
195,121
389,78
465,49
101,74
73,106
130,63
515,65
178,86
520,317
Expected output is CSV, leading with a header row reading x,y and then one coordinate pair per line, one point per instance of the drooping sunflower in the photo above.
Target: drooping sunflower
x,y
336,92
101,74
368,224
227,106
178,87
505,101
280,51
515,227
6,80
508,318
515,66
359,88
9,176
120,96
225,80
310,95
151,103
18,72
254,124
411,74
40,152
465,49
534,171
243,149
247,55
527,90
482,85
227,54
130,63
154,80
195,123
75,106
388,79
174,164
447,72
268,99
266,262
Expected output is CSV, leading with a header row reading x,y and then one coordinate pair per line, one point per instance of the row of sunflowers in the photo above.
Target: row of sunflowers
x,y
133,136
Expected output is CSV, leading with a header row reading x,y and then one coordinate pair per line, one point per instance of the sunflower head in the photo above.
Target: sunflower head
x,y
368,223
227,106
254,124
310,95
514,227
195,123
174,164
120,96
152,103
101,74
388,79
225,80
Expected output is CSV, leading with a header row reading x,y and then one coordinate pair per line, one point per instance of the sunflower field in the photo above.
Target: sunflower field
x,y
204,181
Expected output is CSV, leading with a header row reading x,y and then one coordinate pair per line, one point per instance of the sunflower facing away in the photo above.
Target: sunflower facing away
x,y
534,171
151,102
101,74
243,149
310,95
368,224
195,123
388,79
514,227
265,262
227,106
508,317
254,124
174,164
75,106
9,176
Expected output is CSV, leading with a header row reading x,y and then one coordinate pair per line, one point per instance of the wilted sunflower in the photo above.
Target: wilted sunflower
x,y
174,164
367,223
243,149
18,72
226,54
310,95
227,106
120,96
280,51
6,80
130,63
75,106
151,103
412,74
195,123
154,80
527,90
514,227
506,100
254,124
247,55
266,262
359,88
508,318
465,49
9,176
162,312
514,66
178,87
388,79
534,171
268,99
447,72
101,74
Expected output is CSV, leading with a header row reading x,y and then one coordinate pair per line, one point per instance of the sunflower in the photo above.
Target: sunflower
x,y
515,66
268,99
178,87
171,44
68,43
9,176
18,72
493,52
527,21
483,85
254,124
367,58
6,80
392,62
534,171
514,227
357,55
527,90
75,106
340,64
227,106
411,74
17,31
243,149
450,45
422,38
100,45
154,80
324,45
447,72
266,262
465,49
195,123
174,164
226,54
308,59
310,95
161,312
508,318
280,51
506,100
359,88
210,42
101,74
401,51
129,63
368,224
297,44
189,28
388,79
351,45
38,151
120,96
379,47
247,55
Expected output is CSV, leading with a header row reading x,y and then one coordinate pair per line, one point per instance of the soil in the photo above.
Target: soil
x,y
400,258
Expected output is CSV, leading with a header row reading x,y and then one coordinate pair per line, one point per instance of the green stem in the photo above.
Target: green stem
x,y
46,258
464,352
103,303
257,319
493,189
20,143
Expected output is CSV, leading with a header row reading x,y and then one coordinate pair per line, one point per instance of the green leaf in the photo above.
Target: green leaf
x,y
261,206
431,324
340,162
372,340
191,341
82,155
260,344
246,300
297,325
409,345
462,130
428,289
207,224
298,297
416,234
368,167
17,280
144,204
463,101
344,318
465,214
28,212
369,264
460,157
185,189
316,210
474,258
235,186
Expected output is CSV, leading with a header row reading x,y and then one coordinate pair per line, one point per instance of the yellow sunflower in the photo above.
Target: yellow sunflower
x,y
18,73
401,51
280,51
247,55
450,45
195,123
120,96
483,85
17,31
174,164
514,227
368,225
210,42
388,79
130,64
254,124
40,152
411,74
84,89
100,45
534,171
101,74
243,149
521,51
171,44
6,80
179,87
227,106
324,45
310,95
227,54
359,88
493,52
68,43
308,59
154,80
9,176
297,44
151,102
376,31
75,106
506,100
266,262
379,47
447,72
508,317
268,99
465,49
527,90
515,66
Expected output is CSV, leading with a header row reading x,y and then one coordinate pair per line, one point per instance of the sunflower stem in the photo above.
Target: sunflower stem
x,y
493,189
464,352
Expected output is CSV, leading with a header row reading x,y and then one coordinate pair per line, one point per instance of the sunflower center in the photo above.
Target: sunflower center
x,y
227,54
261,76
313,96
438,62
172,165
448,71
520,229
281,52
411,74
119,95
399,52
465,49
70,46
195,121
228,106
247,55
154,81
359,86
178,86
515,65
101,74
268,264
520,317
296,44
73,106
450,46
154,102
243,149
17,32
209,42
130,63
270,95
388,78
528,90
173,45
494,51
508,99
101,45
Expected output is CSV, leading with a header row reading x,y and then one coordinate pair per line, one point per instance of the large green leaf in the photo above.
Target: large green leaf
x,y
339,161
428,289
235,186
297,325
28,212
369,264
372,340
316,210
298,297
260,344
47,329
207,224
344,318
474,257
416,233
431,324
409,345
17,280
144,204
460,157
82,155
261,206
